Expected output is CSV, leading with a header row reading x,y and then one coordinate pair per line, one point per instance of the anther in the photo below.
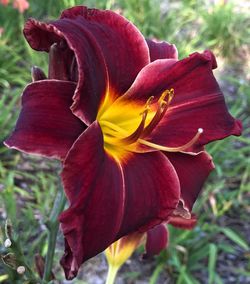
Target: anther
x,y
149,102
156,119
170,95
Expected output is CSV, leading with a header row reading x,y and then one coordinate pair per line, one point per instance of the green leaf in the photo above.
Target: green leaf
x,y
3,277
156,274
233,236
212,262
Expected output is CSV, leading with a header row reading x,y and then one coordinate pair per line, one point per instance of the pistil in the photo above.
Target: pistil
x,y
173,149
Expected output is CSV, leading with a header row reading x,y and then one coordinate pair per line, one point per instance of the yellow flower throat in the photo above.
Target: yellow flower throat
x,y
126,124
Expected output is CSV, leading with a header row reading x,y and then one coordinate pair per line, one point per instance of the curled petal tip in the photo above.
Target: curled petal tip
x,y
238,127
183,223
212,58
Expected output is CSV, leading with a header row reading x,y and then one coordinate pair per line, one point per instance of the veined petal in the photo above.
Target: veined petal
x,y
197,103
192,171
46,125
161,50
157,240
111,198
109,52
147,187
94,185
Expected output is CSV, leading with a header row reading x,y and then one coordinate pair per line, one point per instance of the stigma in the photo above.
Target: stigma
x,y
126,126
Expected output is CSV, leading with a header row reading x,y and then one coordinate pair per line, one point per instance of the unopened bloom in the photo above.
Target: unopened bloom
x,y
155,240
121,250
7,243
129,122
21,269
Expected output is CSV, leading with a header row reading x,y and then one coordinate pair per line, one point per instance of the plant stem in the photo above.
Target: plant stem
x,y
53,226
112,274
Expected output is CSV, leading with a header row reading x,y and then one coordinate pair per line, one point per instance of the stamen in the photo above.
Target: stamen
x,y
160,111
149,102
157,117
173,149
169,93
137,133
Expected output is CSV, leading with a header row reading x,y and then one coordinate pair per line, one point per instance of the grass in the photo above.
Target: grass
x,y
28,184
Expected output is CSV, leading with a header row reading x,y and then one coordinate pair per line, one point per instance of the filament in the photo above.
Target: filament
x,y
173,149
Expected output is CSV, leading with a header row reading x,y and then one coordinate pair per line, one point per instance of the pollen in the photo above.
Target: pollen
x,y
127,124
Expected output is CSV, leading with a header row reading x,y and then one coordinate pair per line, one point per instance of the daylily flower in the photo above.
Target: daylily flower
x,y
4,2
21,5
129,122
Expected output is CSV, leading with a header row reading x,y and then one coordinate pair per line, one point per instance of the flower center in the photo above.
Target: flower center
x,y
126,124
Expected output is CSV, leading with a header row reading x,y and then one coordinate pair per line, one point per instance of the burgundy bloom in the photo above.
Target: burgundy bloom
x,y
129,122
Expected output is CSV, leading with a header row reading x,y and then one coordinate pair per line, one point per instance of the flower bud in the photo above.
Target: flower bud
x,y
7,243
8,229
20,269
10,260
120,251
37,74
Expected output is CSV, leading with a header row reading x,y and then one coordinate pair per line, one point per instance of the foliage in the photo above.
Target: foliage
x,y
28,185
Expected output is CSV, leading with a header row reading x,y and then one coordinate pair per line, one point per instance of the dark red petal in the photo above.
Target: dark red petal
x,y
152,191
192,171
93,183
150,81
110,199
183,223
161,50
157,240
197,103
46,125
109,51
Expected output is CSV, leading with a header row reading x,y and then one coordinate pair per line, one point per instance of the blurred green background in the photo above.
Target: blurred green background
x,y
217,250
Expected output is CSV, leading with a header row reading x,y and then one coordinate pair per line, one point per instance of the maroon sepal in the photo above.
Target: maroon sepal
x,y
157,240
